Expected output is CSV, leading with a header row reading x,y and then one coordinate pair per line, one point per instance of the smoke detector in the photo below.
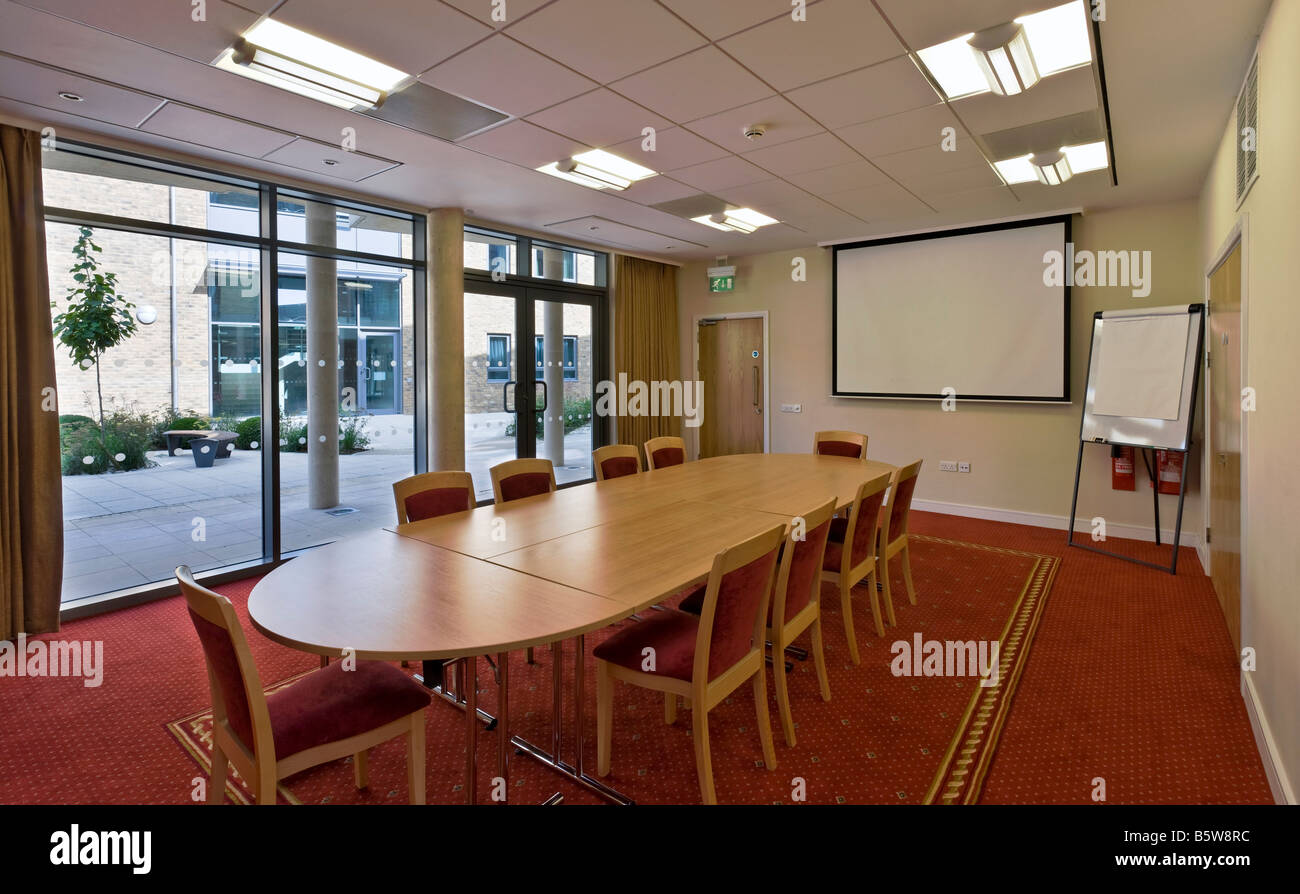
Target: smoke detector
x,y
754,131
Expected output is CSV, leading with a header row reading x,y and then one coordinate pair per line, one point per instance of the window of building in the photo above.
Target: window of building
x,y
570,358
498,360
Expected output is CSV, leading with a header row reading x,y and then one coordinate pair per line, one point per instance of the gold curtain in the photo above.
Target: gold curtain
x,y
31,489
646,345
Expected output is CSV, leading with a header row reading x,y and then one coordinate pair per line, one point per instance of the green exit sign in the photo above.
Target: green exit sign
x,y
722,283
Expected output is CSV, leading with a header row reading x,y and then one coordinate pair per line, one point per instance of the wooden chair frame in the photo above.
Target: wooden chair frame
x,y
658,444
891,543
416,484
851,437
259,767
851,572
702,692
782,635
512,467
613,451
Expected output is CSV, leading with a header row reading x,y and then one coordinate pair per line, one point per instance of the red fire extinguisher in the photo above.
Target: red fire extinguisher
x,y
1169,470
1122,475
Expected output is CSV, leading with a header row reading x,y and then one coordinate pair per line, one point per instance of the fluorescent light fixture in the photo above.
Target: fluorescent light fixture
x,y
1052,168
1003,56
1077,160
736,220
598,169
294,60
1053,40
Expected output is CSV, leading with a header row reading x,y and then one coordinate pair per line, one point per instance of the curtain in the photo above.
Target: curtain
x,y
31,489
646,345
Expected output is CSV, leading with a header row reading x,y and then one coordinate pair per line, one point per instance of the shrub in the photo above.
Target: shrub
x,y
291,433
352,434
248,432
72,419
125,434
577,411
168,419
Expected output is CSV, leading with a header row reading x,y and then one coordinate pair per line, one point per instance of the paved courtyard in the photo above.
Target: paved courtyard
x,y
126,529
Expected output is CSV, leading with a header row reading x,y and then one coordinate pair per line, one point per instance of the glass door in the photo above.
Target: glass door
x,y
380,372
492,395
563,366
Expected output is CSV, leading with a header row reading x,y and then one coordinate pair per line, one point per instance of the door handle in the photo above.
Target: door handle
x,y
545,397
505,396
757,398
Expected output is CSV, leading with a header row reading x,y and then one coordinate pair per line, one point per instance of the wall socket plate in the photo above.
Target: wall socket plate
x,y
963,467
947,465
791,408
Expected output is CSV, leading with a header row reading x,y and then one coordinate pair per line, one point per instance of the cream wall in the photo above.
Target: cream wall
x,y
1022,457
1270,605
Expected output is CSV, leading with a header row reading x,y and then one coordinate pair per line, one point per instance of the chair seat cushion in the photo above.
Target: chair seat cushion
x,y
333,704
670,633
437,501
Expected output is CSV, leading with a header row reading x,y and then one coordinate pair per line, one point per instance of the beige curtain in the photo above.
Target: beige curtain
x,y
31,490
646,345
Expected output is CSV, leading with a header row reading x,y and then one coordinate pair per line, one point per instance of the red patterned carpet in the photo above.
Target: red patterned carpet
x,y
1130,677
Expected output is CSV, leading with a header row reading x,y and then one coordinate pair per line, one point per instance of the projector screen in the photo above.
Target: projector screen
x,y
967,310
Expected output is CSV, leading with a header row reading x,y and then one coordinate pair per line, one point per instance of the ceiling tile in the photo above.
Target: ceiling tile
x,y
483,10
811,214
1054,96
39,85
309,155
598,118
821,151
215,131
784,122
607,39
719,18
924,23
930,160
840,178
654,190
411,35
673,148
838,36
883,89
523,144
504,74
926,184
987,201
159,23
878,202
764,194
615,233
721,174
695,85
906,130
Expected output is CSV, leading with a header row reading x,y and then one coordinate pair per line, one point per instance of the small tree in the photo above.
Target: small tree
x,y
97,318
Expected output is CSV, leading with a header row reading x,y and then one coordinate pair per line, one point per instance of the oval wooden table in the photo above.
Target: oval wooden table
x,y
537,572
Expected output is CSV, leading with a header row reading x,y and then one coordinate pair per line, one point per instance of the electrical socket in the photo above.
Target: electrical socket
x,y
947,465
791,408
963,467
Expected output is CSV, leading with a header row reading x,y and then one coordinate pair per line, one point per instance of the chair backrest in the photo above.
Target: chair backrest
x,y
840,443
665,451
615,461
733,618
432,494
799,575
238,701
864,518
902,487
518,478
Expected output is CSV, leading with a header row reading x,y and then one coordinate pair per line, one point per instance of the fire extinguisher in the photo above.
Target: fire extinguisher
x,y
1169,470
1122,475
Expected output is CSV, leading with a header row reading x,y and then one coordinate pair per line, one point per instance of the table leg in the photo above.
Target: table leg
x,y
469,678
579,699
503,723
557,697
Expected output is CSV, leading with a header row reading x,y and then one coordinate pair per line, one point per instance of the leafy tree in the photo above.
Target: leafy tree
x,y
97,318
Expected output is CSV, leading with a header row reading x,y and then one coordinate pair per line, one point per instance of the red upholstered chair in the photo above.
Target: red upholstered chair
x,y
615,461
892,536
432,494
518,478
326,715
851,554
703,658
666,451
840,443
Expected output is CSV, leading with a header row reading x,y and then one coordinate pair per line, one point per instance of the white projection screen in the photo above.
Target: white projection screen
x,y
964,309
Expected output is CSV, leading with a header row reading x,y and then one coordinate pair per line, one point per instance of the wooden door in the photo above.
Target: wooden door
x,y
1223,437
731,367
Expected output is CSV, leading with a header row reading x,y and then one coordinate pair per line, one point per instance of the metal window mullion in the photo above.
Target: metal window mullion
x,y
270,321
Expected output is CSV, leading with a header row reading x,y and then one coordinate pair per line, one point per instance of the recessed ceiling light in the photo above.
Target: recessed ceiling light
x,y
70,96
598,169
294,60
1078,159
331,162
736,220
1003,55
1054,40
1051,168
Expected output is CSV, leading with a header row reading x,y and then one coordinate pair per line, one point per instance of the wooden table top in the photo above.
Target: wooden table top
x,y
546,568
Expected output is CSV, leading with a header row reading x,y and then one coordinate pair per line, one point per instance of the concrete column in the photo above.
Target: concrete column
x,y
322,362
446,328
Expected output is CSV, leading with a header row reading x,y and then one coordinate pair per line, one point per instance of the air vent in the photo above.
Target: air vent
x,y
1248,131
431,111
